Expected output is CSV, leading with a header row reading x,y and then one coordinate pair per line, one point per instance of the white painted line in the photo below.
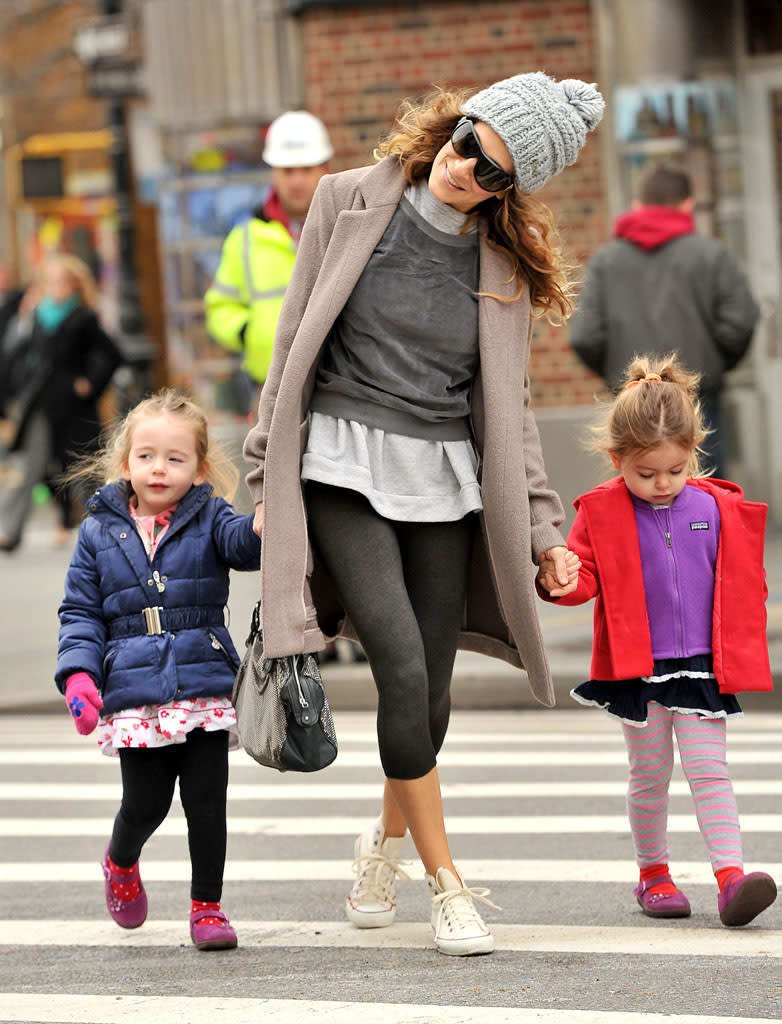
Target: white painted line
x,y
29,1008
296,869
455,738
510,824
286,788
492,758
657,939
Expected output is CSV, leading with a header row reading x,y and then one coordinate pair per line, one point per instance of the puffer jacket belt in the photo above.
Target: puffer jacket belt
x,y
151,621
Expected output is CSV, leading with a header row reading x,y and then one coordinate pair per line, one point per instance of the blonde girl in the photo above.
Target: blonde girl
x,y
144,654
674,561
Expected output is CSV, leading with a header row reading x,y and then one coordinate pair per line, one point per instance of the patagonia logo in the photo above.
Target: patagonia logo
x,y
699,526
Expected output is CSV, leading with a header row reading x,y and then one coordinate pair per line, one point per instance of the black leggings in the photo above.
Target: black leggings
x,y
148,779
403,587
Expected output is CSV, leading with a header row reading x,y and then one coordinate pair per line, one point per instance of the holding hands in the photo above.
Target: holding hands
x,y
84,702
558,572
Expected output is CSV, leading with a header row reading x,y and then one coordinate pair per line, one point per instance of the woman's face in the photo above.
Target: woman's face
x,y
57,282
452,180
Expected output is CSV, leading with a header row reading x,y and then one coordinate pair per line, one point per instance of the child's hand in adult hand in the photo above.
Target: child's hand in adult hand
x,y
558,571
84,702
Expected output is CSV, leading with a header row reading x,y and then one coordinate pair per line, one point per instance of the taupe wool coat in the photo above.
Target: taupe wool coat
x,y
521,515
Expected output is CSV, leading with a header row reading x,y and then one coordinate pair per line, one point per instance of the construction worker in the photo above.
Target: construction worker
x,y
243,302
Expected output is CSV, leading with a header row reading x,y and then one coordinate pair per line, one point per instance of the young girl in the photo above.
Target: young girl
x,y
675,562
397,470
143,640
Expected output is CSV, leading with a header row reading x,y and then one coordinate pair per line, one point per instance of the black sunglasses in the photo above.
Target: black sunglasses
x,y
466,144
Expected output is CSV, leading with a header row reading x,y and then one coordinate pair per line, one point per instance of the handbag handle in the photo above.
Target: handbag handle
x,y
255,624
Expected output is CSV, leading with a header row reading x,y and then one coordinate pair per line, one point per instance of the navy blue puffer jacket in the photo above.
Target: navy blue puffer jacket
x,y
104,630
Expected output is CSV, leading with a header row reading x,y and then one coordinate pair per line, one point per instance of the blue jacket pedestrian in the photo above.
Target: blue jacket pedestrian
x,y
144,653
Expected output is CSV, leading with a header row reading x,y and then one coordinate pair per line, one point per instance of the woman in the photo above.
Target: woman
x,y
63,367
398,394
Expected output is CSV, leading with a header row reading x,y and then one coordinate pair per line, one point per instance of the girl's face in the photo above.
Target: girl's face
x,y
452,180
657,475
162,463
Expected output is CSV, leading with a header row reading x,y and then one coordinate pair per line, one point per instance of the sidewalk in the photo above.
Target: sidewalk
x,y
31,584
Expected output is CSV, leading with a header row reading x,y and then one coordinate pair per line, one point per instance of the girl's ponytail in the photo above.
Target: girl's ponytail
x,y
656,402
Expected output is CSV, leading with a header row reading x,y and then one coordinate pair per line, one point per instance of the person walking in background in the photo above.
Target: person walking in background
x,y
152,564
60,370
395,437
660,286
243,302
674,561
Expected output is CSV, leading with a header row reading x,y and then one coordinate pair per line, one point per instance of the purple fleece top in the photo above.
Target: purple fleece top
x,y
678,558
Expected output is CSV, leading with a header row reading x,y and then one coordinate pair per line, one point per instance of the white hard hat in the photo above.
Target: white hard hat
x,y
297,139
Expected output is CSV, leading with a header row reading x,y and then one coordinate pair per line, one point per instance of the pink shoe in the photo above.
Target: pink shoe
x,y
127,913
661,904
212,936
743,899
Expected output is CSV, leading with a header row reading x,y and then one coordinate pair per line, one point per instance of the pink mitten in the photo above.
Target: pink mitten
x,y
84,702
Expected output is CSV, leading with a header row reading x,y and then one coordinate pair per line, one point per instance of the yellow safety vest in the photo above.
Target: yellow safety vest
x,y
243,302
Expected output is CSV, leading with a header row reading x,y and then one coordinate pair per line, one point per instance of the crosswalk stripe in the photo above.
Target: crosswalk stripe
x,y
755,942
29,1008
296,869
447,757
565,824
285,789
358,738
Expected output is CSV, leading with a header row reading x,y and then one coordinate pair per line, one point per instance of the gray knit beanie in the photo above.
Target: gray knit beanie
x,y
544,123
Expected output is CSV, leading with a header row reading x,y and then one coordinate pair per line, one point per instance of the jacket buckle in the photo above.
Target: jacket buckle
x,y
152,619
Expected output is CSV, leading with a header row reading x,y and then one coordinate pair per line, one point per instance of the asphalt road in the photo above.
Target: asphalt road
x,y
535,804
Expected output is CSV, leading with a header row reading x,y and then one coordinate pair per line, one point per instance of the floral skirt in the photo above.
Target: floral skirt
x,y
684,685
159,725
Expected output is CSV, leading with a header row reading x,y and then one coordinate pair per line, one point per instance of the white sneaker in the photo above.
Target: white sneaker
x,y
372,900
459,929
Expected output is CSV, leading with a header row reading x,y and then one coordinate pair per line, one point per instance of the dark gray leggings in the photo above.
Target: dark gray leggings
x,y
403,588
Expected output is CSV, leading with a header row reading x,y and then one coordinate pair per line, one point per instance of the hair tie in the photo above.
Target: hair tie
x,y
644,380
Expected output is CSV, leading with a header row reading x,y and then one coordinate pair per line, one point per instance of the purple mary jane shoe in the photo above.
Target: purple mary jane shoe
x,y
212,936
662,904
743,899
127,913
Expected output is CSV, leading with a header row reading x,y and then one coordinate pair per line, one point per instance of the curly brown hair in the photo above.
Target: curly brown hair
x,y
518,225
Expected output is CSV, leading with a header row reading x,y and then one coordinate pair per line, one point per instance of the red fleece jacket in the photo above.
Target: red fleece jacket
x,y
605,538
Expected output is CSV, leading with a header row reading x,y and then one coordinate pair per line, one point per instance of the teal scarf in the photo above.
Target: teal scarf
x,y
50,314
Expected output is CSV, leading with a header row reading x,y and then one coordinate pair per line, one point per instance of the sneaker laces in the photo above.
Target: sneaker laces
x,y
376,874
458,907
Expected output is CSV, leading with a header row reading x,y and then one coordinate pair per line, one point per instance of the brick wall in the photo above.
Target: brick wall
x,y
361,60
42,80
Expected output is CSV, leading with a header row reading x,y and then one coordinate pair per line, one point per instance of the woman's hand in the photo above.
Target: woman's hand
x,y
258,520
558,572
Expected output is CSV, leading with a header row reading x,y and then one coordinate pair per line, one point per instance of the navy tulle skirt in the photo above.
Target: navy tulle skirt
x,y
684,685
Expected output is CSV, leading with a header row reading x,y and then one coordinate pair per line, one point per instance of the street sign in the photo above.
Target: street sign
x,y
102,39
117,80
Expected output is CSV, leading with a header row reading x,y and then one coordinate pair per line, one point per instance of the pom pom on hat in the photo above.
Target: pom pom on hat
x,y
544,123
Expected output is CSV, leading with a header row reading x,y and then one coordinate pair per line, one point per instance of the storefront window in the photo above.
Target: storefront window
x,y
692,124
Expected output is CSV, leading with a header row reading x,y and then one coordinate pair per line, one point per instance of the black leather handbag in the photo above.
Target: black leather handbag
x,y
282,711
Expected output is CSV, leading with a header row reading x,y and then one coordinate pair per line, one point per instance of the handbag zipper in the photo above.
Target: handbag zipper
x,y
302,698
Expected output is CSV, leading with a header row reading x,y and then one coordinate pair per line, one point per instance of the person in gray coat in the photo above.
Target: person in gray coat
x,y
659,287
